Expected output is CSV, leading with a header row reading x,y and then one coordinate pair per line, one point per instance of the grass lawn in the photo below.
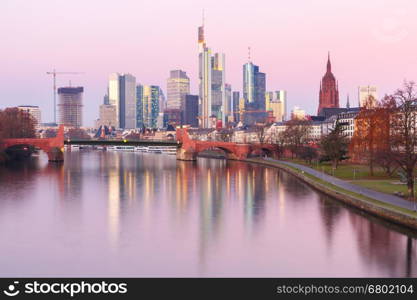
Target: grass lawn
x,y
388,186
336,188
346,171
359,174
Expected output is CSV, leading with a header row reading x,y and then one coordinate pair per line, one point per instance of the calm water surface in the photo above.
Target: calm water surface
x,y
130,214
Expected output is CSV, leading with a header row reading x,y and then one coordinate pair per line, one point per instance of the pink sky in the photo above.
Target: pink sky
x,y
371,42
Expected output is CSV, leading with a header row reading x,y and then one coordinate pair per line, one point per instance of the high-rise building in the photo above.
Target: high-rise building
x,y
34,111
122,94
204,75
365,92
235,106
108,116
139,106
191,111
178,85
329,91
277,103
173,117
212,79
218,89
227,107
150,106
162,102
70,106
254,87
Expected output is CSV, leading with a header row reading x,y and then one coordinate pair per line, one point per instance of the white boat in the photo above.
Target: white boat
x,y
141,149
75,147
154,149
121,148
172,150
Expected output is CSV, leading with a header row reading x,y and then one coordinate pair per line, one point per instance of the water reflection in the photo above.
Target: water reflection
x,y
150,215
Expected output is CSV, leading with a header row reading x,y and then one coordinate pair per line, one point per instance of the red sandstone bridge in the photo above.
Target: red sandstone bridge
x,y
187,148
190,148
54,147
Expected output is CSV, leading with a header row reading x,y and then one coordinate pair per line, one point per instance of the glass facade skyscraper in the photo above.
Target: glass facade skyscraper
x,y
147,105
212,97
254,87
139,106
178,85
122,94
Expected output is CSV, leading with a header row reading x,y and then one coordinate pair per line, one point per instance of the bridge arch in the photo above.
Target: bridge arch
x,y
228,151
53,147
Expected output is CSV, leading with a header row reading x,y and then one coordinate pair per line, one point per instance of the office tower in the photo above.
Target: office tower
x,y
218,90
70,106
173,117
329,91
235,106
190,114
212,79
150,105
34,111
162,102
107,116
254,87
227,107
204,75
364,92
122,94
139,106
178,85
277,103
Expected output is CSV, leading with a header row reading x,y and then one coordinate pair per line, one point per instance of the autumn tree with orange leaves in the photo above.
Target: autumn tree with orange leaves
x,y
371,136
15,123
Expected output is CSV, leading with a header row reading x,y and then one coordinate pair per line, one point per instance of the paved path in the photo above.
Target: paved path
x,y
387,198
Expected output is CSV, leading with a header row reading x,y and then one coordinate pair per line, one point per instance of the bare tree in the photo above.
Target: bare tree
x,y
334,145
403,141
262,134
296,134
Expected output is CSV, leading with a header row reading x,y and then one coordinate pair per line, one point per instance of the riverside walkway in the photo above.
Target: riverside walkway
x,y
386,198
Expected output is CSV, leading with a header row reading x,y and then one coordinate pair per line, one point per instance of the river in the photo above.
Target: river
x,y
149,215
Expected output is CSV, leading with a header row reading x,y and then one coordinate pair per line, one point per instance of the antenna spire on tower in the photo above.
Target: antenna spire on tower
x,y
249,54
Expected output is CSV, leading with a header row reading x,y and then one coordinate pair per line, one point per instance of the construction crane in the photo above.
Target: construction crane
x,y
54,73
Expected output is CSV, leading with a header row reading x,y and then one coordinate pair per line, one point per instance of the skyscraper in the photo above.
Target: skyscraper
x,y
277,103
107,116
139,106
227,107
211,82
122,94
191,110
329,91
150,105
254,87
204,75
235,106
70,106
218,91
178,85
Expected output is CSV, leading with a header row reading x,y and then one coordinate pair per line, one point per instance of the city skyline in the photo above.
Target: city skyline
x,y
291,58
